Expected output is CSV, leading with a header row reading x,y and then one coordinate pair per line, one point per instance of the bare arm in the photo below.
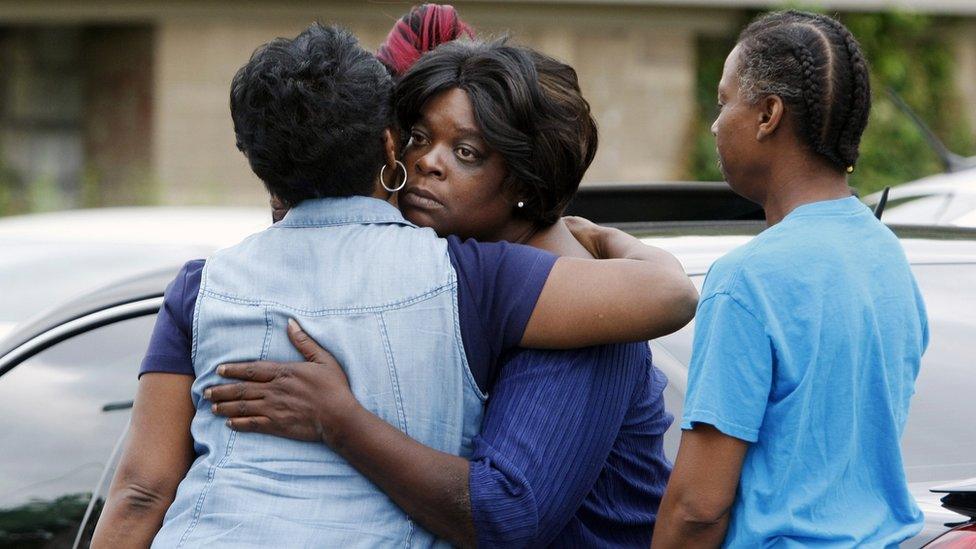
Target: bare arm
x,y
700,494
641,293
157,455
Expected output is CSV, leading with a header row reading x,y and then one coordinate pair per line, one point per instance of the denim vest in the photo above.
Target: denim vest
x,y
381,295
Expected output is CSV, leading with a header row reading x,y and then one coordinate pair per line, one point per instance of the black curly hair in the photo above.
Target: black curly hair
x,y
309,114
816,66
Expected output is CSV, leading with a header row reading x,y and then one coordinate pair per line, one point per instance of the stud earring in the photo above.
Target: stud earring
x,y
850,169
520,204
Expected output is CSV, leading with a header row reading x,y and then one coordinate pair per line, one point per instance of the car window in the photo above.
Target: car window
x,y
939,442
63,411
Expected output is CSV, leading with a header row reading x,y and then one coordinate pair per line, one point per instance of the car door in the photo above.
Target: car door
x,y
64,408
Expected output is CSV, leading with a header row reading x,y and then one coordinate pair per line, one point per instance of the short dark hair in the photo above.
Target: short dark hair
x,y
309,114
529,109
816,66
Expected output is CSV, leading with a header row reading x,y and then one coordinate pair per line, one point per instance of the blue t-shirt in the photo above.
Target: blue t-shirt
x,y
807,344
498,286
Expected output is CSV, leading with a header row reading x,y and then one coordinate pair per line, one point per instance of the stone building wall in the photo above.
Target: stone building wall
x,y
636,66
635,58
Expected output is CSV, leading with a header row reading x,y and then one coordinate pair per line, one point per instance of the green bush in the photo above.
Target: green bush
x,y
909,53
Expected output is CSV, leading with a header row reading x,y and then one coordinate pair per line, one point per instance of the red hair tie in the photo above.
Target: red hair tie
x,y
422,29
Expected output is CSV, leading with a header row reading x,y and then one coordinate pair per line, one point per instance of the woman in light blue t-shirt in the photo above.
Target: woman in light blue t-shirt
x,y
808,338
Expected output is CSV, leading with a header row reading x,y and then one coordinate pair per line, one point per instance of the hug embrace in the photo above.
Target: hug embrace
x,y
421,351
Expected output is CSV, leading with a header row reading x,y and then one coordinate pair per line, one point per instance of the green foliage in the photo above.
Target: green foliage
x,y
12,199
37,523
708,71
909,53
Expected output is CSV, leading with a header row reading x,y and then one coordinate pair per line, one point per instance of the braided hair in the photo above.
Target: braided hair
x,y
816,66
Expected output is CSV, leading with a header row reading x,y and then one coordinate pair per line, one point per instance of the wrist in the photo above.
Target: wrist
x,y
342,419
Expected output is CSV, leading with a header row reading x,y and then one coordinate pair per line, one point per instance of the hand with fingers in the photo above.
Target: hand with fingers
x,y
587,233
308,401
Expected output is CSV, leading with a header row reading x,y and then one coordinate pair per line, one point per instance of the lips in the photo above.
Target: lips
x,y
419,198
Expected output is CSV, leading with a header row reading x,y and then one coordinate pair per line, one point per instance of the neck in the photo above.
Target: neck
x,y
518,231
801,184
383,194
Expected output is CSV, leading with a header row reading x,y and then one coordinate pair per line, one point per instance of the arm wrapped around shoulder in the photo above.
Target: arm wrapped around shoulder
x,y
634,292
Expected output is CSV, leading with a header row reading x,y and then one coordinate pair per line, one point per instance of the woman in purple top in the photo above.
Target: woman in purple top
x,y
571,449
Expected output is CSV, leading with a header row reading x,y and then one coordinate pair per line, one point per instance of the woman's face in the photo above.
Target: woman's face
x,y
454,182
735,130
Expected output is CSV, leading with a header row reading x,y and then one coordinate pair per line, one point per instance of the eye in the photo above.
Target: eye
x,y
466,154
417,138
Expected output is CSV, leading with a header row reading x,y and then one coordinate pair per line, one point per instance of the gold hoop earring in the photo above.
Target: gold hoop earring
x,y
402,183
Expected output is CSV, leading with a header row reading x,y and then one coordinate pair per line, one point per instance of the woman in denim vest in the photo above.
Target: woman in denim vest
x,y
398,305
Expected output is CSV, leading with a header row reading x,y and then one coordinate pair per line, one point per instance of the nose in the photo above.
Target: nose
x,y
430,164
714,128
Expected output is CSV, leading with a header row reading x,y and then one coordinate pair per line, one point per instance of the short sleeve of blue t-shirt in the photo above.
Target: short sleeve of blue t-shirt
x,y
730,374
498,286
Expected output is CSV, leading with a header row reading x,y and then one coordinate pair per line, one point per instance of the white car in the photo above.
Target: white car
x,y
48,258
942,199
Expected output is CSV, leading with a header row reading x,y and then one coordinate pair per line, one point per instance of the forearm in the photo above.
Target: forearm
x,y
430,486
131,518
670,291
666,269
611,243
156,458
698,501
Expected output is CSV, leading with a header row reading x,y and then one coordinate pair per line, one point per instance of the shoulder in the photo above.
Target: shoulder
x,y
474,250
193,268
489,265
187,279
755,264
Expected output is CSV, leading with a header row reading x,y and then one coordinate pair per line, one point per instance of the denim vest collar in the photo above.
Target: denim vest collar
x,y
322,212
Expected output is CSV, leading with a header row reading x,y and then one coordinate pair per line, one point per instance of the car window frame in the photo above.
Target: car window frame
x,y
81,325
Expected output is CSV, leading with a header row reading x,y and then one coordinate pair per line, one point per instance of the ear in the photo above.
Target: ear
x,y
771,111
391,140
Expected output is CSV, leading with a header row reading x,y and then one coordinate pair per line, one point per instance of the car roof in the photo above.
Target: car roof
x,y
961,182
698,245
213,227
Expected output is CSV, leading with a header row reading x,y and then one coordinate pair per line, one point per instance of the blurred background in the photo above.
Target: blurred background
x,y
125,102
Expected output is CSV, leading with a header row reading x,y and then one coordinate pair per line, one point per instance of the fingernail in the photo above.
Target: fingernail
x,y
221,369
213,408
293,324
207,393
229,424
